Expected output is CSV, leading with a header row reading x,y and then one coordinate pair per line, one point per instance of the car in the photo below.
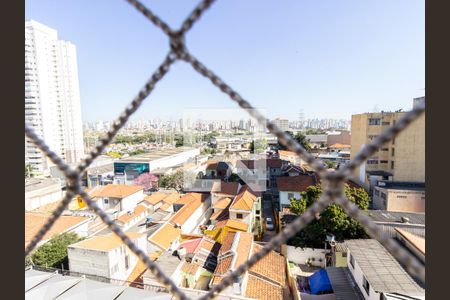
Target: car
x,y
269,224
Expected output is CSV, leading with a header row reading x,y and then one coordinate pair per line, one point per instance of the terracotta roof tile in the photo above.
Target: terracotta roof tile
x,y
115,191
227,243
260,289
223,265
243,248
235,224
164,236
272,266
286,153
415,240
34,222
155,198
244,200
295,183
190,245
105,242
222,203
195,201
189,268
225,188
171,198
165,206
340,146
220,215
138,210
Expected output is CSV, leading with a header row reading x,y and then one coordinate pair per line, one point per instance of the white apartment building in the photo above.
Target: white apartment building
x,y
52,96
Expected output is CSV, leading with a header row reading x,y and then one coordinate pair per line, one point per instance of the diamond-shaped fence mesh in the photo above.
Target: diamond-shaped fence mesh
x,y
333,182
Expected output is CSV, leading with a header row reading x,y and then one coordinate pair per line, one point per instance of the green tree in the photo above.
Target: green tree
x,y
333,220
54,252
258,145
330,164
136,152
179,140
300,138
29,170
234,178
173,181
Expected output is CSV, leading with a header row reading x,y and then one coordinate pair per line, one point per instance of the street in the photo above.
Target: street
x,y
267,212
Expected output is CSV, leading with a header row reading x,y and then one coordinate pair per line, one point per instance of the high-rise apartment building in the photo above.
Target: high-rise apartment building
x,y
283,124
401,159
52,96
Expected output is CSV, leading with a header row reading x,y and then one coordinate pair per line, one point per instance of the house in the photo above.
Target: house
x,y
35,221
266,279
220,210
117,199
291,157
246,207
217,170
128,220
42,191
399,196
377,273
274,168
154,201
168,202
293,170
164,238
222,189
291,187
105,255
194,212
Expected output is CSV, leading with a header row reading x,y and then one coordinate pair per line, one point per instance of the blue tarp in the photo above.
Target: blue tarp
x,y
319,283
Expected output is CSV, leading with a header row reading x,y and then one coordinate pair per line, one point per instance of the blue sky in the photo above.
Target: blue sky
x,y
329,58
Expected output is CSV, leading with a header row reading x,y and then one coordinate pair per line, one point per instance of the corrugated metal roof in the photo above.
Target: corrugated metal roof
x,y
344,287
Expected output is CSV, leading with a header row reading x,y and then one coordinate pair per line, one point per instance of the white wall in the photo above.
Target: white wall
x,y
88,261
35,200
194,220
285,200
247,216
300,256
130,202
174,160
358,277
117,257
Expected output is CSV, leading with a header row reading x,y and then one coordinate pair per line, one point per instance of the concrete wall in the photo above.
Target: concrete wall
x,y
89,261
343,138
44,196
247,216
358,277
117,258
130,202
410,152
300,256
396,201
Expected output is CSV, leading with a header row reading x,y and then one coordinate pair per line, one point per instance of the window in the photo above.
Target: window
x,y
258,211
371,137
383,195
239,216
385,123
385,149
383,161
393,150
105,201
401,196
352,260
127,262
374,121
290,196
366,285
372,161
392,164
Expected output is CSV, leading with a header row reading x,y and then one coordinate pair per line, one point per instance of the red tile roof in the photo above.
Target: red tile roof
x,y
115,191
244,201
295,183
225,188
193,202
258,288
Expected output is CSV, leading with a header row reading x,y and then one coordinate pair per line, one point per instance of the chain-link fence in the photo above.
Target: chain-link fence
x,y
333,182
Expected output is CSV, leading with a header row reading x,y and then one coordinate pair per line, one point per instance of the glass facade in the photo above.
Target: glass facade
x,y
122,168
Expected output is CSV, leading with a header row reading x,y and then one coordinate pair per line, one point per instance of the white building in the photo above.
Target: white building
x,y
42,191
52,96
283,124
105,256
377,274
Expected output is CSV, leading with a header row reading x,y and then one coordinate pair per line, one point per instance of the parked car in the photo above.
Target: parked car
x,y
269,224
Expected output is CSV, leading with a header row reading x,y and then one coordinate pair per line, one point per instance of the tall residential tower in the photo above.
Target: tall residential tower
x,y
52,96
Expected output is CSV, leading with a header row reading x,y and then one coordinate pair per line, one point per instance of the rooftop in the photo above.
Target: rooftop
x,y
272,266
344,287
258,288
165,235
225,188
196,200
155,198
340,146
154,155
222,203
380,268
138,210
244,200
415,240
295,183
34,222
104,242
33,184
115,191
396,217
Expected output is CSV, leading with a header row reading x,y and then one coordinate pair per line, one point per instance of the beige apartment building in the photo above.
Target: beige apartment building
x,y
401,159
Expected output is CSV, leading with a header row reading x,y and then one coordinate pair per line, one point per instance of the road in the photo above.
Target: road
x,y
267,212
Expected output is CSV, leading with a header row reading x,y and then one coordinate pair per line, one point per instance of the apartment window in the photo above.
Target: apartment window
x,y
239,216
258,211
383,161
401,196
366,285
385,149
127,262
385,123
372,161
105,201
374,121
352,260
383,195
392,164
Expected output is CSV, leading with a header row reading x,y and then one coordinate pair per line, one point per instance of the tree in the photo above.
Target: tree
x,y
54,252
333,220
29,170
136,152
114,154
330,164
147,180
258,145
179,140
234,178
173,181
300,138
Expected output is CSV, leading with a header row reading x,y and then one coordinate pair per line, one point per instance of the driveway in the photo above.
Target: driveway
x,y
267,212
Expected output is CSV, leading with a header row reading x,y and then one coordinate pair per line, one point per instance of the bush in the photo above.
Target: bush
x,y
54,252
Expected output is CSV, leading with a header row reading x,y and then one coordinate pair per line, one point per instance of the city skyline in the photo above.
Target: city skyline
x,y
297,70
